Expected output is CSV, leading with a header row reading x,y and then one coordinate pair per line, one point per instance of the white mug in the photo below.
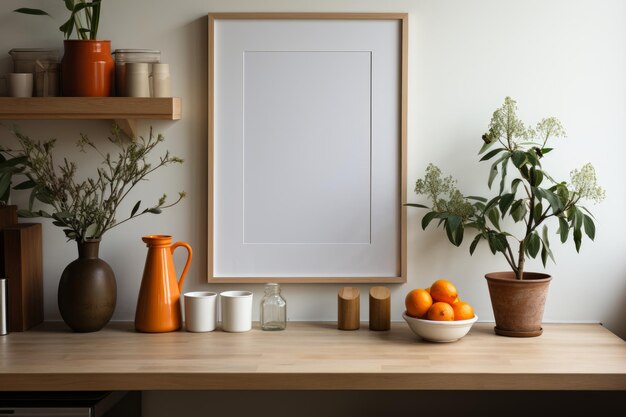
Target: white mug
x,y
19,84
161,85
137,79
236,311
200,311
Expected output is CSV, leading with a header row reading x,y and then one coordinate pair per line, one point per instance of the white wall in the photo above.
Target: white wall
x,y
563,58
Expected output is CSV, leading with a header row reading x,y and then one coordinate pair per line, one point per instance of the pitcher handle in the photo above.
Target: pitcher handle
x,y
181,280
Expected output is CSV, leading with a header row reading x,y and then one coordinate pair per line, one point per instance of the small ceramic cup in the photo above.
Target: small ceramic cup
x,y
236,309
19,84
160,80
137,79
200,311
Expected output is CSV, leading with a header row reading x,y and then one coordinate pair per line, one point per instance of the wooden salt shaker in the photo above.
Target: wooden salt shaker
x,y
349,307
380,308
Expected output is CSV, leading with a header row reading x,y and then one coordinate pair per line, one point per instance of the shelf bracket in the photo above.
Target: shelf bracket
x,y
128,126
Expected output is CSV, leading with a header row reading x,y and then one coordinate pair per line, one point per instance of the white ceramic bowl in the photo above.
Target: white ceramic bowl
x,y
439,331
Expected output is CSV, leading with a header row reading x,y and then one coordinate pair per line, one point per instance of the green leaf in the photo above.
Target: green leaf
x,y
590,227
473,197
531,156
563,193
428,217
578,219
154,210
497,242
134,210
13,162
25,185
35,12
514,184
69,5
554,201
416,205
5,183
546,244
475,243
577,239
563,229
518,210
545,150
491,154
44,196
27,214
536,177
454,230
505,203
518,158
533,244
538,210
505,164
492,203
494,217
493,172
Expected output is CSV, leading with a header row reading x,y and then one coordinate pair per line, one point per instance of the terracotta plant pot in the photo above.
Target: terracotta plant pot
x,y
518,304
87,290
87,68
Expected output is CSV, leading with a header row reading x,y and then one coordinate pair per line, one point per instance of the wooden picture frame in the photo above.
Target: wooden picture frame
x,y
260,226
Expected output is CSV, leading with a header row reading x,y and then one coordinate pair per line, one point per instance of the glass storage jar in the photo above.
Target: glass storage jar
x,y
273,309
122,56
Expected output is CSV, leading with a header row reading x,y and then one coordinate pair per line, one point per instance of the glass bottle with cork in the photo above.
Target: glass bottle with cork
x,y
273,309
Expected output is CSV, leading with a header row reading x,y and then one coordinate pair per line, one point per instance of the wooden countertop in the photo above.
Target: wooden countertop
x,y
311,356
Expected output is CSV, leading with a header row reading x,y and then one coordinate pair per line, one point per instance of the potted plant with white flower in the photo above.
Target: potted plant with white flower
x,y
530,198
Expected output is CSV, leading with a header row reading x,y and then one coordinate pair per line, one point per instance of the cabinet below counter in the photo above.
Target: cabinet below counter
x,y
310,356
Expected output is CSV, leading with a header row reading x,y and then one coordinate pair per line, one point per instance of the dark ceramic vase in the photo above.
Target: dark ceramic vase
x,y
87,290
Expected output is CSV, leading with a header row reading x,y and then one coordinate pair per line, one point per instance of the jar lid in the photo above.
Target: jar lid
x,y
34,50
136,51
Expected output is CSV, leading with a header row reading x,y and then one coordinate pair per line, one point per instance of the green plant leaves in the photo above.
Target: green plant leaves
x,y
590,227
454,230
563,229
428,217
518,158
533,244
475,243
34,12
518,210
491,154
505,202
135,208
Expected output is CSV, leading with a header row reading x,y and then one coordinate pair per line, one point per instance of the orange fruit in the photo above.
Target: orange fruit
x,y
441,312
456,300
462,311
417,303
443,291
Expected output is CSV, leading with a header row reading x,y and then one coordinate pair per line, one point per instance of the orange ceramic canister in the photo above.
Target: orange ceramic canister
x,y
158,305
87,68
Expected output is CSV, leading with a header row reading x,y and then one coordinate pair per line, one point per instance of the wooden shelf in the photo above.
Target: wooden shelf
x,y
313,356
124,110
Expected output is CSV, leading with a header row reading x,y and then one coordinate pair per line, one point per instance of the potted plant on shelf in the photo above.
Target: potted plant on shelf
x,y
85,210
87,67
530,198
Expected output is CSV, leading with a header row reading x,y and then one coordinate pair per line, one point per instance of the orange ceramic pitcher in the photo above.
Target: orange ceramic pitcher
x,y
158,306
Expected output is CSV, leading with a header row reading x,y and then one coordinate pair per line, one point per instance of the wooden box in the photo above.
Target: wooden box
x,y
24,270
8,217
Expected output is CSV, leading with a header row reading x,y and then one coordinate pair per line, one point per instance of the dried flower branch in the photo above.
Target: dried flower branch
x,y
86,210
